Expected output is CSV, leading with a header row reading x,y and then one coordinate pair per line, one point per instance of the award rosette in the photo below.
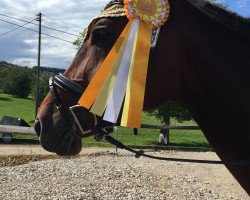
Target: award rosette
x,y
152,12
118,87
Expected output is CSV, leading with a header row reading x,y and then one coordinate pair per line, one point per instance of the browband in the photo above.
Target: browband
x,y
114,2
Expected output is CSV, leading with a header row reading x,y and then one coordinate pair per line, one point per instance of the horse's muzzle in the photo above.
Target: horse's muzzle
x,y
62,143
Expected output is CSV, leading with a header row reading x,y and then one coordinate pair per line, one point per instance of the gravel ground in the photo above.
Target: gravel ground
x,y
109,175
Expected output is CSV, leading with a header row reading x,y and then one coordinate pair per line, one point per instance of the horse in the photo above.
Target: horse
x,y
201,61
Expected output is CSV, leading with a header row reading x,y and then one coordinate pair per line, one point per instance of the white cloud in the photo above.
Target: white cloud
x,y
43,4
25,61
70,16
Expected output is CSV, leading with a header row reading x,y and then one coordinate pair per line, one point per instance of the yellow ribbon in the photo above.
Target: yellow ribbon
x,y
90,94
133,104
102,99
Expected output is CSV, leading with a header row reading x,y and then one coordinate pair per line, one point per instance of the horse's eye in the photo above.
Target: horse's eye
x,y
101,35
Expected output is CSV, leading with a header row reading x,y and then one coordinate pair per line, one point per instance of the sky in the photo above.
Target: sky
x,y
20,46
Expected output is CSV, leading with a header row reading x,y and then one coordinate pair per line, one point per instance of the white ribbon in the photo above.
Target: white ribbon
x,y
117,95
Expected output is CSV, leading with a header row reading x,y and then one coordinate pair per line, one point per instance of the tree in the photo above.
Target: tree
x,y
167,111
78,42
43,89
18,82
3,74
171,110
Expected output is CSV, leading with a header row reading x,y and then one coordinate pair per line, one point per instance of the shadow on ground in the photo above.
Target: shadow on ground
x,y
5,99
21,141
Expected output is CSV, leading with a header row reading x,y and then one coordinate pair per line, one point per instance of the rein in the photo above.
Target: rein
x,y
102,134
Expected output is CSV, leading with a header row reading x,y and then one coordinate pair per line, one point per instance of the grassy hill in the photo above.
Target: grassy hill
x,y
25,109
17,107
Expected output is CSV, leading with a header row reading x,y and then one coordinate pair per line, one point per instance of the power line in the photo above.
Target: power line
x,y
15,10
36,31
17,25
58,22
16,28
42,26
16,14
60,31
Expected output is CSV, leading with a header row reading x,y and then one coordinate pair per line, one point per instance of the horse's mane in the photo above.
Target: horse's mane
x,y
215,10
220,13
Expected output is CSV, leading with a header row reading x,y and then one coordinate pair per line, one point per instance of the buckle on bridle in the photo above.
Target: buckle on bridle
x,y
155,36
71,109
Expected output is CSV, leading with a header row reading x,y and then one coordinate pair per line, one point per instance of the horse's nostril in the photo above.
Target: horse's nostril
x,y
37,127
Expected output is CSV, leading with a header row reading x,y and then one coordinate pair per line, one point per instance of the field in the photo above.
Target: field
x,y
16,107
24,108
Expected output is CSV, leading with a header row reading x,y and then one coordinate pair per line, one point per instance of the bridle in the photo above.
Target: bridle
x,y
73,88
67,85
100,131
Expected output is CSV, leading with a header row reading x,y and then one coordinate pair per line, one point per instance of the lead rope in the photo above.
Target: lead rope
x,y
102,134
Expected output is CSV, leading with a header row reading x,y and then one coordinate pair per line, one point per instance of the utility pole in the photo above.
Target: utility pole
x,y
39,19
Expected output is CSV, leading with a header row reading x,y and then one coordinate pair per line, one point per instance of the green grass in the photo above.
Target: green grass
x,y
149,138
24,108
17,107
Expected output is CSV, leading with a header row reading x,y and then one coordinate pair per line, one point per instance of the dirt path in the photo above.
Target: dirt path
x,y
216,177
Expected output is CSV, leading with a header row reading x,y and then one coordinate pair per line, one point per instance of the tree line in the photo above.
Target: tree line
x,y
21,81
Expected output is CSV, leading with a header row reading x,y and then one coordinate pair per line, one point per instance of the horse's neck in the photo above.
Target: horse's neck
x,y
217,87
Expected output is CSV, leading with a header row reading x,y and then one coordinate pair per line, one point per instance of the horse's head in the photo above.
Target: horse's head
x,y
57,130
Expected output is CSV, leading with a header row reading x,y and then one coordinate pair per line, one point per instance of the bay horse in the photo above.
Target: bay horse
x,y
201,61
